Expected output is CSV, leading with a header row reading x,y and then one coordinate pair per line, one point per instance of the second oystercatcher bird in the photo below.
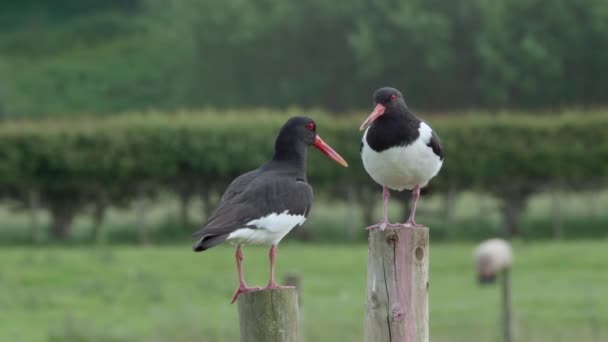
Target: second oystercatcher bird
x,y
399,150
263,205
492,257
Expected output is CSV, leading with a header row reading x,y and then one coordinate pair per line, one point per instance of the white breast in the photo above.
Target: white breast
x,y
270,229
403,167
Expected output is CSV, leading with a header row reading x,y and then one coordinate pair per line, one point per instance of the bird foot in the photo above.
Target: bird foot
x,y
273,286
383,225
410,224
243,289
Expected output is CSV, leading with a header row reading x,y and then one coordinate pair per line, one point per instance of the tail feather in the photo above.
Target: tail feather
x,y
208,241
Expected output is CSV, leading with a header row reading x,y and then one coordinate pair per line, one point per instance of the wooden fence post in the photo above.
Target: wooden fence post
x,y
396,306
507,312
269,316
295,280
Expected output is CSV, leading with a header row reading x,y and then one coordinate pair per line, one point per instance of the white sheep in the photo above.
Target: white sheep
x,y
492,256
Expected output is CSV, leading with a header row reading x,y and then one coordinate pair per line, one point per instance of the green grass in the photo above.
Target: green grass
x,y
169,293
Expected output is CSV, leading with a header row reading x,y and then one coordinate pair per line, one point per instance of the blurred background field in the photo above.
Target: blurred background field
x,y
122,121
163,294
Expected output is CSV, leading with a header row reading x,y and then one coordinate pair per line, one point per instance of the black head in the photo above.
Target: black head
x,y
387,100
298,133
302,128
390,98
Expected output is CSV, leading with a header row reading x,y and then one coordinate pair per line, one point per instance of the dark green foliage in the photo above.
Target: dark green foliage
x,y
482,152
107,56
73,164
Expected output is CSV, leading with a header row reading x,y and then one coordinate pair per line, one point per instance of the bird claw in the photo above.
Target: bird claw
x,y
382,226
410,224
243,289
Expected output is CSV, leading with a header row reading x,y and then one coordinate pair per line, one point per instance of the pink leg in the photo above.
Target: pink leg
x,y
384,223
410,222
242,286
271,283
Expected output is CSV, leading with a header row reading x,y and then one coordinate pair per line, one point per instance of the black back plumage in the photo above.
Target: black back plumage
x,y
398,126
391,130
277,186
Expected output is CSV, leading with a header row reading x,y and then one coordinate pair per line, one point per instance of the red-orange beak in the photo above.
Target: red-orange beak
x,y
328,151
379,110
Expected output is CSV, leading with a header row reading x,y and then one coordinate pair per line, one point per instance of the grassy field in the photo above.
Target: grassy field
x,y
169,293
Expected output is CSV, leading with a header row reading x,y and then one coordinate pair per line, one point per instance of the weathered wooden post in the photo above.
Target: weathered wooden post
x,y
396,306
269,316
507,312
295,280
494,257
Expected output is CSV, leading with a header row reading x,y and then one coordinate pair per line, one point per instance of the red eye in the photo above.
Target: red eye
x,y
393,97
310,126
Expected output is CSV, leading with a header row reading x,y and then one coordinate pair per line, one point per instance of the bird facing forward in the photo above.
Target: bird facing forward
x,y
263,205
399,150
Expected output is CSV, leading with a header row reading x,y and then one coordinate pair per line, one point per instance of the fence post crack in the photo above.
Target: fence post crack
x,y
388,316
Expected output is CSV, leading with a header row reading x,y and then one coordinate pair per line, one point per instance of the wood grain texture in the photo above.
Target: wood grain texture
x,y
295,280
269,316
397,286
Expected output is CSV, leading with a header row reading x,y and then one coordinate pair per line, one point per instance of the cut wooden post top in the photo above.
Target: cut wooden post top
x,y
269,316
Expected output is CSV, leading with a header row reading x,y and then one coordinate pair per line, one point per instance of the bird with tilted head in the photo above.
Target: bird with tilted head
x,y
491,257
263,205
399,151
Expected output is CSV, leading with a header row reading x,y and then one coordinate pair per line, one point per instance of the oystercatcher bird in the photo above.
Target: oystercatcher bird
x,y
263,205
492,257
399,150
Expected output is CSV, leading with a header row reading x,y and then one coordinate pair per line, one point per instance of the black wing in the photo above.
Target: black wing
x,y
260,197
435,145
239,184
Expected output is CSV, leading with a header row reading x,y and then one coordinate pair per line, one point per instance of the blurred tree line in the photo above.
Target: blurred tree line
x,y
86,165
71,56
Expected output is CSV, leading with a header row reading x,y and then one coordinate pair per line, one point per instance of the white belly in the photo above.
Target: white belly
x,y
270,229
403,167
